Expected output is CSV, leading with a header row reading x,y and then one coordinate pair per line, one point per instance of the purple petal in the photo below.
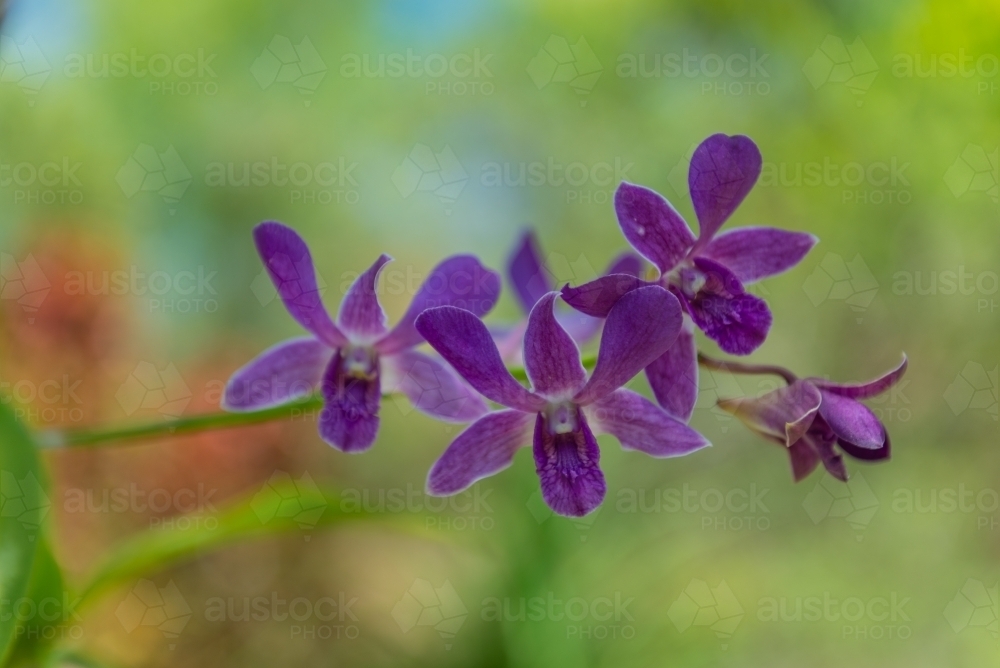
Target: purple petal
x,y
568,468
852,421
509,340
863,390
349,420
673,376
723,171
463,340
486,447
753,253
864,453
526,272
598,296
290,370
626,263
289,264
783,415
641,425
551,358
640,328
652,226
361,316
832,461
432,387
460,280
737,321
804,459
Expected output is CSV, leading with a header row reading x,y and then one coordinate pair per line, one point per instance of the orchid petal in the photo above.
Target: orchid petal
x,y
673,376
349,420
288,262
723,171
486,447
361,316
737,321
852,421
431,386
460,280
864,454
290,370
783,415
652,226
863,390
753,253
641,327
463,340
526,272
625,263
804,459
641,425
598,296
551,358
568,467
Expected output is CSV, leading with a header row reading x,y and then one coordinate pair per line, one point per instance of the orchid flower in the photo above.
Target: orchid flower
x,y
531,279
810,416
353,359
564,409
707,273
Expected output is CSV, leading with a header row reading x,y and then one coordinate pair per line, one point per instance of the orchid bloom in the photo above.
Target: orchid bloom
x,y
353,359
707,273
564,409
811,415
531,279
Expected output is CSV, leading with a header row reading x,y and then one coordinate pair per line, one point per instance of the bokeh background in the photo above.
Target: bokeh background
x,y
131,290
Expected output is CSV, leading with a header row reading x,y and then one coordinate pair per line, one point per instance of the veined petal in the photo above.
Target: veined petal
x,y
783,415
723,171
526,272
460,280
673,376
852,421
568,466
551,358
431,386
598,296
753,253
737,321
361,316
288,262
349,420
652,226
463,340
863,390
641,425
287,371
486,447
641,327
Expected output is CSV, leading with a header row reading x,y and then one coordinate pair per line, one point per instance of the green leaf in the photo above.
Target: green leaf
x,y
24,506
55,616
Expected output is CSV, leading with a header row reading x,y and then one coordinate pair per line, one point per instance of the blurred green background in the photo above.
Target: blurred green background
x,y
132,290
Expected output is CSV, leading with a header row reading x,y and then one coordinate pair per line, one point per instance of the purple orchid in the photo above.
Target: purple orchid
x,y
564,409
811,415
531,279
707,273
353,359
